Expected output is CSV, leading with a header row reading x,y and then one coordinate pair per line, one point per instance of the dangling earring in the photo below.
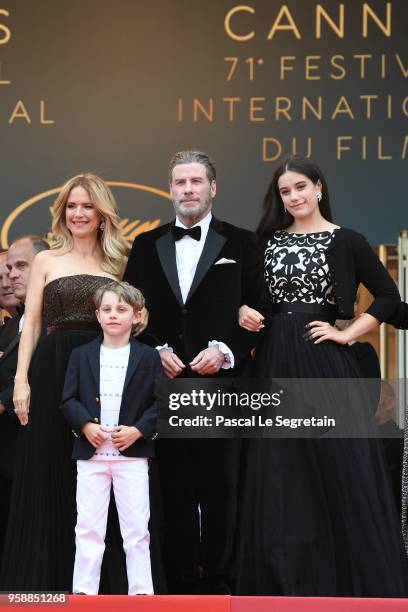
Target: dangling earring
x,y
319,196
102,225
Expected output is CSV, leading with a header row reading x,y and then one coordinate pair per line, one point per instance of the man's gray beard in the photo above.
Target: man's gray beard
x,y
193,215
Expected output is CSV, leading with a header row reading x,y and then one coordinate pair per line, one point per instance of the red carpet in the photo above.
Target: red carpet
x,y
219,603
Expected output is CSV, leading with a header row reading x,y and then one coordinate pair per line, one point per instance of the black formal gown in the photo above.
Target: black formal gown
x,y
317,516
40,547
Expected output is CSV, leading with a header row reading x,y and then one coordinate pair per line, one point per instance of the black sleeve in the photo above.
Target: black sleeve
x,y
400,316
374,276
74,411
241,341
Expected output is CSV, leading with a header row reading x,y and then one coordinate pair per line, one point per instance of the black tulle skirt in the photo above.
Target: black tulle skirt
x,y
317,516
40,542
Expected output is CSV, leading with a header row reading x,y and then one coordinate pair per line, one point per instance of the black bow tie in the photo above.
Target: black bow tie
x,y
193,232
20,309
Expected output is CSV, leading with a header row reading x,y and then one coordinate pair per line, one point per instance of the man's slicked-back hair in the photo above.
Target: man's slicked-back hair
x,y
193,156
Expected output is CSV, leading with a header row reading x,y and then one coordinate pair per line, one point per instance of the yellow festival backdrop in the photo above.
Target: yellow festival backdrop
x,y
117,87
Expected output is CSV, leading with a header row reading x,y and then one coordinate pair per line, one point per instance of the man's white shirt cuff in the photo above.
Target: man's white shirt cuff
x,y
166,346
229,361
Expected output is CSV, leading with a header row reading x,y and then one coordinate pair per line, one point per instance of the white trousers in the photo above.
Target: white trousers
x,y
130,481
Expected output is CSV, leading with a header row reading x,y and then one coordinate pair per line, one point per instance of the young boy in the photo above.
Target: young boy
x,y
109,401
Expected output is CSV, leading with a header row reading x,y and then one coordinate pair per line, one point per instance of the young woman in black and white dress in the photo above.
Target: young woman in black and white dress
x,y
318,516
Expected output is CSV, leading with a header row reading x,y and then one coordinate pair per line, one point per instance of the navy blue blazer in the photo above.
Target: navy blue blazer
x,y
81,401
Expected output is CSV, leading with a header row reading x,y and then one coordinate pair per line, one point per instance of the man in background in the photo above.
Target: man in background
x,y
14,275
8,303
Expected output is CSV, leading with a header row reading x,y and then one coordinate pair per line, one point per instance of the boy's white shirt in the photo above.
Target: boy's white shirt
x,y
112,374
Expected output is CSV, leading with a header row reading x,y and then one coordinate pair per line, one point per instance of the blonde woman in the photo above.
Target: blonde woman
x,y
89,252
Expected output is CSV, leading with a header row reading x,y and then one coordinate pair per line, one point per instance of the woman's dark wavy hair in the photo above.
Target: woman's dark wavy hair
x,y
274,216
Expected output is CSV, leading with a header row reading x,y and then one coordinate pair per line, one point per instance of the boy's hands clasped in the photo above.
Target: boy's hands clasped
x,y
122,436
94,433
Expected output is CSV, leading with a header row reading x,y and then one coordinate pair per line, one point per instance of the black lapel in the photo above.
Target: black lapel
x,y
136,352
167,255
94,359
10,346
213,245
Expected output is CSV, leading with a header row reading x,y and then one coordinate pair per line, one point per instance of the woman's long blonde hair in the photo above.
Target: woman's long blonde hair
x,y
111,241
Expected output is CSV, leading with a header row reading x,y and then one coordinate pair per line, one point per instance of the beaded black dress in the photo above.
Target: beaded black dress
x,y
40,547
317,516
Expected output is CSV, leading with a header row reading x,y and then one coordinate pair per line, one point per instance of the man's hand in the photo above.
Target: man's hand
x,y
208,361
94,433
172,365
124,436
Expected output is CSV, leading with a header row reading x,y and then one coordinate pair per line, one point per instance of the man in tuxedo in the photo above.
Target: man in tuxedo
x,y
195,273
20,257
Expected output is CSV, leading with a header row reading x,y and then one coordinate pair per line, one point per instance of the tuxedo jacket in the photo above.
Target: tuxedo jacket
x,y
217,291
8,361
9,423
81,400
8,331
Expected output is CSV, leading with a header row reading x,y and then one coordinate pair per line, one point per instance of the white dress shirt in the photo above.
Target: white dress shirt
x,y
112,374
188,252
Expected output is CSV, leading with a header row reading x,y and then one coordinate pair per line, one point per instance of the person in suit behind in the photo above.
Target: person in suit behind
x,y
195,273
8,330
14,273
109,402
20,257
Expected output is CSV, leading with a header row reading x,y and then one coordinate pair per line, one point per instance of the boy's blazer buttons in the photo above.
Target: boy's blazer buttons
x,y
96,420
97,399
